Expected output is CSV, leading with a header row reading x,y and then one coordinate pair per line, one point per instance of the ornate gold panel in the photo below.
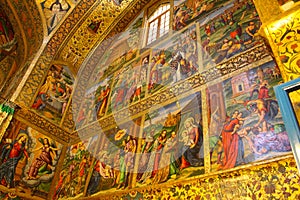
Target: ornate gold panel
x,y
106,13
284,36
43,125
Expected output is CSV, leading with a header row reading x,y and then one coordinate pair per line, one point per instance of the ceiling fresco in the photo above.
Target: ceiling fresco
x,y
81,18
26,28
91,31
54,11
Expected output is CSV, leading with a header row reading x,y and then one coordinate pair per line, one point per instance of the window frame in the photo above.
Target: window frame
x,y
159,23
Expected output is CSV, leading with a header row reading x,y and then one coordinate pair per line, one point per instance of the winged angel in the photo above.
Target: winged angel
x,y
43,162
54,11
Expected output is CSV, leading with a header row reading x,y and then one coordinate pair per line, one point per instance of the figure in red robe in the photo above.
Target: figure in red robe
x,y
230,142
10,156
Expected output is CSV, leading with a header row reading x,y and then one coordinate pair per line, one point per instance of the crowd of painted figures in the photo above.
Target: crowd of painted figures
x,y
245,122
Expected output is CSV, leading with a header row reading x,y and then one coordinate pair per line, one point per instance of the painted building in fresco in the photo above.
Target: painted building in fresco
x,y
148,99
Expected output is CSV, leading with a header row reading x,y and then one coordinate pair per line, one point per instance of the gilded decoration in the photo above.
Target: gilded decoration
x,y
166,112
43,125
188,35
267,10
30,20
94,58
172,138
66,27
26,19
68,122
285,38
28,90
87,36
43,63
5,66
31,86
272,180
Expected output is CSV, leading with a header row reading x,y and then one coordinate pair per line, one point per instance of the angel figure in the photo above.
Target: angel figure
x,y
54,11
48,152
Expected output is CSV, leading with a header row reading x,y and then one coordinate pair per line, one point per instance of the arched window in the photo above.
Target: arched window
x,y
158,23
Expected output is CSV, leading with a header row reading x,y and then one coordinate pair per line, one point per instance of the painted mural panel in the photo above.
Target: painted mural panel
x,y
74,172
245,121
186,11
124,49
174,60
8,42
28,160
129,84
229,31
94,103
115,159
172,142
53,96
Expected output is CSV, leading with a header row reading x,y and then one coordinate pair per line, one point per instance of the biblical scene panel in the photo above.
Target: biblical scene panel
x,y
186,11
94,103
172,142
28,160
74,172
124,48
115,159
174,60
129,84
53,96
229,31
245,121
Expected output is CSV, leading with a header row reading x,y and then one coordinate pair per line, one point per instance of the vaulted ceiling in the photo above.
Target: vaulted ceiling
x,y
64,36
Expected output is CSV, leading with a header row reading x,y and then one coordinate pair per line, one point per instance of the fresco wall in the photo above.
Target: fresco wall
x,y
54,94
197,103
28,160
252,127
73,174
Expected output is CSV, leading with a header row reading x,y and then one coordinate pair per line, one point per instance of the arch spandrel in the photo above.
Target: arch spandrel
x,y
27,90
94,29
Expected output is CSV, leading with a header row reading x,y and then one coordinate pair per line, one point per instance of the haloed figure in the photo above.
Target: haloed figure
x,y
54,12
45,158
10,157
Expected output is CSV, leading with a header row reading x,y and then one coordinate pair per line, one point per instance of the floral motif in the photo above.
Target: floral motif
x,y
275,180
285,35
